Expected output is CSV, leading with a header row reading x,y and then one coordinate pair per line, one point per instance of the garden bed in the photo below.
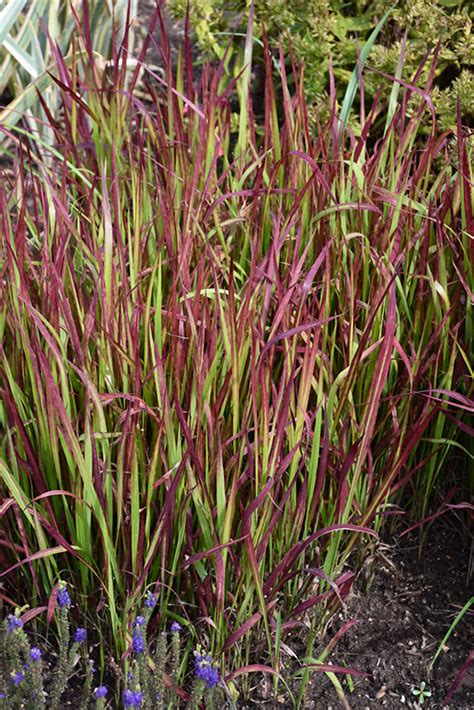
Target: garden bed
x,y
243,342
404,617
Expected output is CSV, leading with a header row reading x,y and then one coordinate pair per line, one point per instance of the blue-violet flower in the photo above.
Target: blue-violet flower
x,y
205,669
17,677
132,699
138,644
150,600
64,600
101,691
80,635
35,653
14,623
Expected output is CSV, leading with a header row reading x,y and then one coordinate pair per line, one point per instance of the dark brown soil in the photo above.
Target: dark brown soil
x,y
403,618
406,614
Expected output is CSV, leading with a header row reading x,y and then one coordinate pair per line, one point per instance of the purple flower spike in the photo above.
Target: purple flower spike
x,y
80,635
150,600
205,669
176,628
128,697
17,677
101,691
138,643
139,621
35,653
14,623
64,600
132,699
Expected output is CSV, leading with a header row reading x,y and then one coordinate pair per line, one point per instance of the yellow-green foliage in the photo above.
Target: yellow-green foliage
x,y
320,29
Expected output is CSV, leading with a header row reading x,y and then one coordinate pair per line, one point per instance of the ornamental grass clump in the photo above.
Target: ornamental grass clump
x,y
230,351
30,33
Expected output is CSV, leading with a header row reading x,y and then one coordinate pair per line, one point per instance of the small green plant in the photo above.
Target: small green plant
x,y
421,693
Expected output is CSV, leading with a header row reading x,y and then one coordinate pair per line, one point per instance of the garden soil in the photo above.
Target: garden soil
x,y
403,617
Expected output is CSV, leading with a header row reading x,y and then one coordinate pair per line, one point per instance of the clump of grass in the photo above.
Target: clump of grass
x,y
31,34
229,352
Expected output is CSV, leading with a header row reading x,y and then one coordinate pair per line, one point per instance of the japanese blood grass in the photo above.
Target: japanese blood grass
x,y
220,369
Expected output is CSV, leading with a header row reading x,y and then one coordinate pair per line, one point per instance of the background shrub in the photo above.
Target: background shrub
x,y
318,30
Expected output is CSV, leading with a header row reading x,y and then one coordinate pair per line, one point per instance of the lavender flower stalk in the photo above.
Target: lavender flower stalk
x,y
62,668
87,687
139,649
157,684
176,629
207,680
100,695
35,677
